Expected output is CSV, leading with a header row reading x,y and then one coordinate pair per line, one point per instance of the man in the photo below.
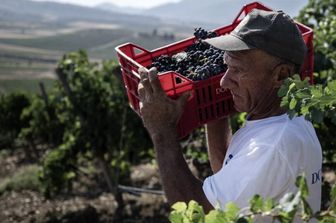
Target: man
x,y
270,151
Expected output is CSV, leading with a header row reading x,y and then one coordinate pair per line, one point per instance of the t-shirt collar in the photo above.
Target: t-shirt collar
x,y
282,117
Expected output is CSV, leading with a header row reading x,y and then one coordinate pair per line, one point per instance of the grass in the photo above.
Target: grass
x,y
25,65
11,63
20,85
3,153
109,52
26,178
14,70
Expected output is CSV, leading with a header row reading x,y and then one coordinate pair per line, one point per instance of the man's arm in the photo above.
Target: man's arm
x,y
178,181
218,135
160,115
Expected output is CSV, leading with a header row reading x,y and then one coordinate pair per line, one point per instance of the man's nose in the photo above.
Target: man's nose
x,y
227,81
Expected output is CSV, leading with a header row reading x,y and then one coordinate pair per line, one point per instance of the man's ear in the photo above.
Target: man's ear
x,y
282,72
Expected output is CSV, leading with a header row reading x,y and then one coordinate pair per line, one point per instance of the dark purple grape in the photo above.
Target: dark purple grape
x,y
198,62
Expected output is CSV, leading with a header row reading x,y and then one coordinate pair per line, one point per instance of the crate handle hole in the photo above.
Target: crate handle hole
x,y
138,51
179,80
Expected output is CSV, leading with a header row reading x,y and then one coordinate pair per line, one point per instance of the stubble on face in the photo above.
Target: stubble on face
x,y
253,90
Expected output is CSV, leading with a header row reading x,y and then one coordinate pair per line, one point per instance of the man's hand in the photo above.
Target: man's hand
x,y
159,112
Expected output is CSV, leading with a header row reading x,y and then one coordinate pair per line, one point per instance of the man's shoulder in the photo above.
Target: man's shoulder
x,y
280,127
299,130
280,133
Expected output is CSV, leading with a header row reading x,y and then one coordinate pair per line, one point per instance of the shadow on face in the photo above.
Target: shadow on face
x,y
254,77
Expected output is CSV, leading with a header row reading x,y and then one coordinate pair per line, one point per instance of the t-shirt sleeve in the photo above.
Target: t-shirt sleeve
x,y
261,171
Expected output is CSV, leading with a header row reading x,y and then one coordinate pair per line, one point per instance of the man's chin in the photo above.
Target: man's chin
x,y
238,105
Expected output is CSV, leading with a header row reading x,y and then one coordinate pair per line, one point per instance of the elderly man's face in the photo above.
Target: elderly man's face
x,y
249,78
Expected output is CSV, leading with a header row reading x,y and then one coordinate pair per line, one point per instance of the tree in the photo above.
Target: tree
x,y
319,101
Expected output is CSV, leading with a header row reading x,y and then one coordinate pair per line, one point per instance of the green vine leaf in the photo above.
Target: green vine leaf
x,y
256,203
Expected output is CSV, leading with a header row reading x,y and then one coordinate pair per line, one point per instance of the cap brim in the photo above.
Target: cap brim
x,y
228,42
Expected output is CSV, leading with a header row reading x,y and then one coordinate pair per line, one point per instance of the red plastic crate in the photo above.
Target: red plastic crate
x,y
208,101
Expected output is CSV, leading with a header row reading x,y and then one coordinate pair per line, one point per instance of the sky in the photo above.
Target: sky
x,y
132,3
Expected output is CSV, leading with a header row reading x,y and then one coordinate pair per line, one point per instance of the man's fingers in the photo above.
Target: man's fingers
x,y
141,92
154,80
143,73
144,80
184,98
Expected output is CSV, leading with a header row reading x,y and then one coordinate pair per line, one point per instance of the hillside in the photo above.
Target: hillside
x,y
115,8
35,35
49,12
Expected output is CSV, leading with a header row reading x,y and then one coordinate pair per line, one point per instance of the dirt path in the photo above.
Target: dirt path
x,y
29,75
22,49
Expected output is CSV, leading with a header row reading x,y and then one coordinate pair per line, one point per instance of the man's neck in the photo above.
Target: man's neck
x,y
270,107
265,115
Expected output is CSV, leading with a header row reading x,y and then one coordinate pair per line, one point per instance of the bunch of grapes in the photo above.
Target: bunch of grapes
x,y
198,62
203,34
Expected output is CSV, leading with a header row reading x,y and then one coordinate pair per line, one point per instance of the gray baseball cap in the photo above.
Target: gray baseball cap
x,y
271,31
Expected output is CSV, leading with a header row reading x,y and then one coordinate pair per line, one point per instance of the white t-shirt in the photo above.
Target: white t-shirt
x,y
265,157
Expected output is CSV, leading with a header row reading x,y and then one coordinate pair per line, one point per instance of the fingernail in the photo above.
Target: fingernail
x,y
142,71
152,73
153,69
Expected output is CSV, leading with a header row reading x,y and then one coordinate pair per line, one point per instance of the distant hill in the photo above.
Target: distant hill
x,y
114,8
30,11
217,11
212,13
30,26
166,15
